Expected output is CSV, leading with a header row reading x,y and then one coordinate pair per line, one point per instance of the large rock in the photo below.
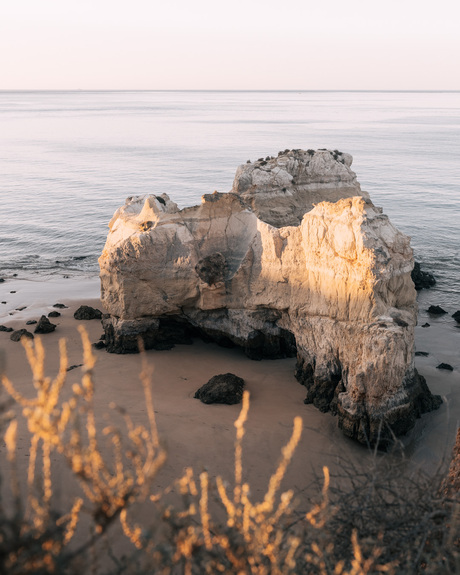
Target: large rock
x,y
87,312
334,286
44,325
224,388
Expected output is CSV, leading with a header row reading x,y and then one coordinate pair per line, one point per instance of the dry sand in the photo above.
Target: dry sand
x,y
202,436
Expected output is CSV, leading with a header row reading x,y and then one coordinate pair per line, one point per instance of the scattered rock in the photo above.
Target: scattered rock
x,y
436,310
54,314
99,344
12,291
225,388
445,366
421,279
44,325
87,312
3,301
456,316
18,334
74,367
4,328
426,325
31,322
1,280
21,308
60,306
422,353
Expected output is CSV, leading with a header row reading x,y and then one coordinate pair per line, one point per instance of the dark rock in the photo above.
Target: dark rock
x,y
74,367
426,325
159,333
87,312
4,328
456,316
13,291
18,334
212,269
1,280
99,345
60,306
225,388
446,366
422,353
3,301
21,308
322,387
421,279
54,314
31,322
15,275
44,325
436,310
375,430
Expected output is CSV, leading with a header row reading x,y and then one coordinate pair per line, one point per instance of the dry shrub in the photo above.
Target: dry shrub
x,y
378,521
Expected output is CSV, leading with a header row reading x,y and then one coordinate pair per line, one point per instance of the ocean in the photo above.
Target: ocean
x,y
69,159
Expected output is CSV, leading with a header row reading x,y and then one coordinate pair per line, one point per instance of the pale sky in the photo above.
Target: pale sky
x,y
230,44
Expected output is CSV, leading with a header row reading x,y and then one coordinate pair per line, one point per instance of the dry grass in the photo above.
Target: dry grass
x,y
362,523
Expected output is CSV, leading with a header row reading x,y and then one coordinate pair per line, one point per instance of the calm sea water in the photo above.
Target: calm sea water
x,y
68,160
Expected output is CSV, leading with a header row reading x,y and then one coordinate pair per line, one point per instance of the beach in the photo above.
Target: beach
x,y
202,436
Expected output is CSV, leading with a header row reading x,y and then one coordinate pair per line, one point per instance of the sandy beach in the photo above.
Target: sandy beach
x,y
202,436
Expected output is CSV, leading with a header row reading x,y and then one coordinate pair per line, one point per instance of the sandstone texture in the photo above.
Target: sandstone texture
x,y
294,261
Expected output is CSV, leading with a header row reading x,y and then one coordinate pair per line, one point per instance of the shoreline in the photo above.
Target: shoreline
x,y
201,435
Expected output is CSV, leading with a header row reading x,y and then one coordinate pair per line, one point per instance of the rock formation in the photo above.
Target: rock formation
x,y
264,268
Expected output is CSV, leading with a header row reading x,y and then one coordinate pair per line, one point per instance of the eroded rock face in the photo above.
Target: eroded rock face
x,y
333,287
281,190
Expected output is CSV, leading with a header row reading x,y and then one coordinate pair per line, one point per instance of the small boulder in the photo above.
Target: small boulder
x,y
225,388
422,353
1,280
4,328
54,314
445,366
87,312
436,310
426,325
19,333
31,322
60,306
44,325
456,316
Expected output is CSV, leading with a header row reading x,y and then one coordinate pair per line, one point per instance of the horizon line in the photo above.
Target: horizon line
x,y
222,90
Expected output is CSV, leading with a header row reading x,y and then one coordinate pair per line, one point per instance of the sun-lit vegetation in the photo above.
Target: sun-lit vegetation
x,y
378,521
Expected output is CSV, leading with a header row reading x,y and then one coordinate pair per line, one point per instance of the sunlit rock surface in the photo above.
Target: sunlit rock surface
x,y
263,269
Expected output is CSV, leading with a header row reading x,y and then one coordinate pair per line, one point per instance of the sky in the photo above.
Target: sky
x,y
230,44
